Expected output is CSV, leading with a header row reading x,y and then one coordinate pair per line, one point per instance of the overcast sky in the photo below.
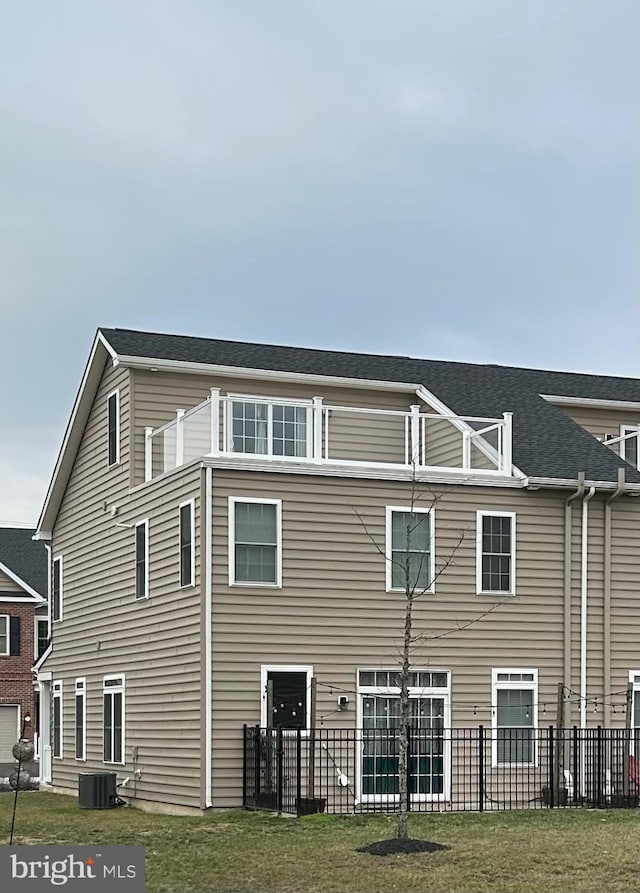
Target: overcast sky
x,y
454,179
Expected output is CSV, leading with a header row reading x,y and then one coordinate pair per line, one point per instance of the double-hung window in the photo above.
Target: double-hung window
x,y
410,549
263,428
9,636
113,719
629,446
142,559
81,718
42,636
56,719
187,544
113,428
255,541
514,700
495,553
4,635
56,589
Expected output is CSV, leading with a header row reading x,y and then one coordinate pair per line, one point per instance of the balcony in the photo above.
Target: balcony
x,y
314,433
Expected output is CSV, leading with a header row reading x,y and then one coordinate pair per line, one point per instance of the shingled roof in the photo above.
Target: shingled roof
x,y
546,442
25,557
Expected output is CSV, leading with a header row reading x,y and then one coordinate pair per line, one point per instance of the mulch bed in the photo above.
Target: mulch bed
x,y
394,845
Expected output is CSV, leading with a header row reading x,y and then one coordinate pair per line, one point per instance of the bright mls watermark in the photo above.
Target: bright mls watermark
x,y
32,869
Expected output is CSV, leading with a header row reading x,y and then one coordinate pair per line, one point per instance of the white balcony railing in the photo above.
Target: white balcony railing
x,y
626,445
313,432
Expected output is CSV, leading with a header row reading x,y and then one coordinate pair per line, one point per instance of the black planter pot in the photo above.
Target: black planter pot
x,y
310,805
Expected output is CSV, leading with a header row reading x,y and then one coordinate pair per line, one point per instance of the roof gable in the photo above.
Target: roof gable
x,y
546,442
24,560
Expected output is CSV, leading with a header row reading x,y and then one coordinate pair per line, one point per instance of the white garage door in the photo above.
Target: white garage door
x,y
8,732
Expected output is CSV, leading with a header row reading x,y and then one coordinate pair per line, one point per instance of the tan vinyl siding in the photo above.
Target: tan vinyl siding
x,y
371,438
154,642
602,423
333,611
625,596
9,585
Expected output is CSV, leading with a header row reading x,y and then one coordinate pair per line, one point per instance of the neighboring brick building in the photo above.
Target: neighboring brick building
x,y
24,631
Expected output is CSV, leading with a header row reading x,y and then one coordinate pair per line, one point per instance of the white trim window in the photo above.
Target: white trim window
x,y
634,679
57,588
4,635
291,692
142,558
187,555
260,427
514,713
629,446
113,718
410,547
255,541
41,630
495,553
81,718
113,427
379,718
56,720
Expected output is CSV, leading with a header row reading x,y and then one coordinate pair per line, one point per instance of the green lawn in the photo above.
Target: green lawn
x,y
583,851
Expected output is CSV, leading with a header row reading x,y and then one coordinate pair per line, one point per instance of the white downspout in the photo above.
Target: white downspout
x,y
568,552
208,587
584,579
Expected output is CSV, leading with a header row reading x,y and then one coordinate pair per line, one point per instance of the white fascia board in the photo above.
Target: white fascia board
x,y
591,402
533,483
334,470
360,472
149,363
16,579
73,435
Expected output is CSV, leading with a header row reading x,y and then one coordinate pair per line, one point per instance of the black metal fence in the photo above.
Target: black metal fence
x,y
479,769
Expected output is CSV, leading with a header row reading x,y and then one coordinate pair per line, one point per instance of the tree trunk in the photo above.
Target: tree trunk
x,y
405,726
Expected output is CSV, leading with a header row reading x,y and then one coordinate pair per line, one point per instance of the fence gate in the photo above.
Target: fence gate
x,y
272,770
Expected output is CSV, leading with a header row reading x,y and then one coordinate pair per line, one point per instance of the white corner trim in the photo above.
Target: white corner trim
x,y
208,634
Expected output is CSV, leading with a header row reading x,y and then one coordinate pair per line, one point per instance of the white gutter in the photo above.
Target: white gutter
x,y
584,579
567,579
533,483
590,402
208,588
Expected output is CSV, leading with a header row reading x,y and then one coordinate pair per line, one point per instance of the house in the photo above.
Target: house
x,y
222,523
24,632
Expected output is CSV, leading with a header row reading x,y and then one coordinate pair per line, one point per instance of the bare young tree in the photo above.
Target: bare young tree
x,y
413,580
